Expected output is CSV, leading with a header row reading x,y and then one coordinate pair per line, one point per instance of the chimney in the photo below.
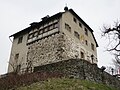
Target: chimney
x,y
66,8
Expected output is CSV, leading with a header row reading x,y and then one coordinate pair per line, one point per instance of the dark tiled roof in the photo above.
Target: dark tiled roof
x,y
58,15
37,24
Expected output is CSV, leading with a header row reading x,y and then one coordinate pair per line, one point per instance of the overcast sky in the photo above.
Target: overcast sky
x,y
16,15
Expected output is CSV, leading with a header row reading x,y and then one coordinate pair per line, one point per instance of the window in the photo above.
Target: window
x,y
51,27
55,25
86,42
31,32
18,68
20,40
35,34
76,34
75,20
92,58
80,25
46,29
67,27
86,31
41,31
82,55
34,30
92,46
30,36
16,56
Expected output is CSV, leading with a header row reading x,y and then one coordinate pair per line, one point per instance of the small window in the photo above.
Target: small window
x,y
35,34
46,29
20,40
35,30
51,27
67,27
18,68
80,25
82,55
75,20
86,31
31,32
77,34
92,46
55,25
16,56
41,31
30,36
86,42
41,27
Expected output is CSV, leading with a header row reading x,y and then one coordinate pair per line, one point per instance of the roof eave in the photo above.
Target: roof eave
x,y
58,15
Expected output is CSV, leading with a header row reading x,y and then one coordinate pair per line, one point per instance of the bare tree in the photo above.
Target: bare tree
x,y
113,35
16,66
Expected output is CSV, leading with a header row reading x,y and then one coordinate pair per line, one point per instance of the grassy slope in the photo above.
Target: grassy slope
x,y
65,84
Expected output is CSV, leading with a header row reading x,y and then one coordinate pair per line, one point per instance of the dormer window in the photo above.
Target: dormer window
x,y
20,39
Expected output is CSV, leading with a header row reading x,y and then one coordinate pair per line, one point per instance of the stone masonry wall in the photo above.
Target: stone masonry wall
x,y
55,48
81,69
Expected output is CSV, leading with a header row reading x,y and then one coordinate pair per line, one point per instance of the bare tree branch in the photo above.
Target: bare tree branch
x,y
113,35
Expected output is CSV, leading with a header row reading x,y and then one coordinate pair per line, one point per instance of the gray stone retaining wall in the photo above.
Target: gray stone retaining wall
x,y
76,68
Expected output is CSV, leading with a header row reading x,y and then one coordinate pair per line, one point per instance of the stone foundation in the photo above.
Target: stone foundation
x,y
81,69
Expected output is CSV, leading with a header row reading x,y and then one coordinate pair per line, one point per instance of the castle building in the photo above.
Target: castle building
x,y
59,37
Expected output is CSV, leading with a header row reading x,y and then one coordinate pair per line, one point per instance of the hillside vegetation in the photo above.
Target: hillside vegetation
x,y
65,84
